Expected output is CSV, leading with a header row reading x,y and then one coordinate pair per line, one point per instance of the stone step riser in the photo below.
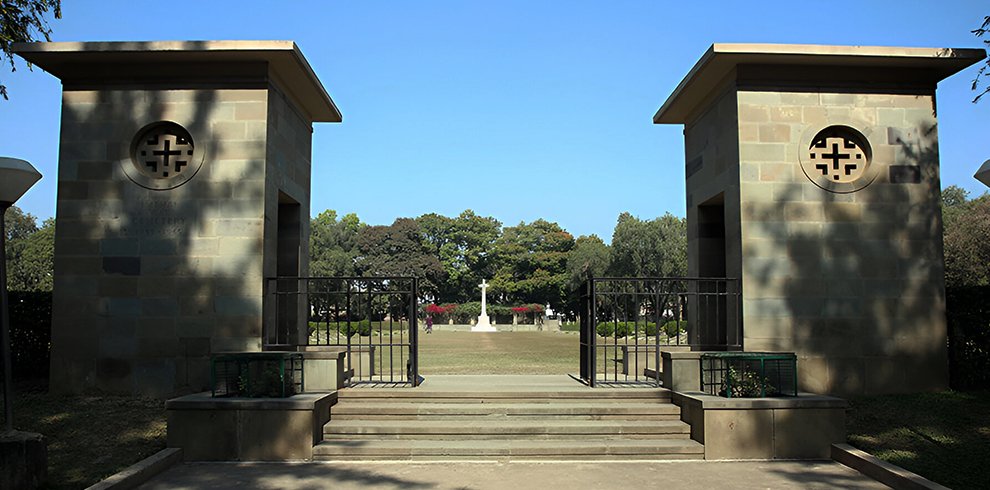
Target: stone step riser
x,y
529,457
631,414
353,395
474,417
501,437
540,401
332,452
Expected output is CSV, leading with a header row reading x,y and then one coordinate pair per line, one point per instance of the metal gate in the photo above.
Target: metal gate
x,y
627,322
373,319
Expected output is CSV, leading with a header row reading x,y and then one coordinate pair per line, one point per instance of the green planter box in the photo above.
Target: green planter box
x,y
257,374
749,374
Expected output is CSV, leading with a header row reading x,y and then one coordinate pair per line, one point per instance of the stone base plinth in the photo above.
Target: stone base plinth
x,y
484,325
801,427
23,460
247,429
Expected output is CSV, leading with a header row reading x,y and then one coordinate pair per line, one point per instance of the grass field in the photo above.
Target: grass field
x,y
90,438
944,437
498,353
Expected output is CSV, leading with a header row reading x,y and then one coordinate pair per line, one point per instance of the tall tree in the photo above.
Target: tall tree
x,y
590,257
18,224
30,256
655,248
333,244
399,250
532,263
967,250
33,269
465,247
24,21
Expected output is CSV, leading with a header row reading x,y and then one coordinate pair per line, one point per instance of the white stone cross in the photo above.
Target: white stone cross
x,y
484,323
484,289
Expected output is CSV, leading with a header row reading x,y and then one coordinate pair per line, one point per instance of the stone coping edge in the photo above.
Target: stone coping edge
x,y
140,472
803,400
889,474
205,401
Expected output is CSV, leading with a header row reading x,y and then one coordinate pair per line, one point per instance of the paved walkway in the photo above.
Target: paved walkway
x,y
514,476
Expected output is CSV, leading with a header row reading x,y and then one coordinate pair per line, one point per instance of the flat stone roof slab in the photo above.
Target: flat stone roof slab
x,y
718,63
80,60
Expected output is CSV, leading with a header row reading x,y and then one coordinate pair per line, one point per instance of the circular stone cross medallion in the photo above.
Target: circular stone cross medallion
x,y
838,160
163,156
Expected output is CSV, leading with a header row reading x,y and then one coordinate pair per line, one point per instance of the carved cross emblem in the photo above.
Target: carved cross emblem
x,y
163,153
838,158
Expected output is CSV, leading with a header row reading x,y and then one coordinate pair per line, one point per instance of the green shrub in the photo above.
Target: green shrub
x,y
672,328
570,327
746,383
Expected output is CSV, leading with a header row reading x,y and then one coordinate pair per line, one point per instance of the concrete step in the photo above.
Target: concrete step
x,y
407,410
420,395
494,428
653,449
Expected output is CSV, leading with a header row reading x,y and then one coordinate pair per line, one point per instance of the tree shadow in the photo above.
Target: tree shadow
x,y
862,283
278,475
150,282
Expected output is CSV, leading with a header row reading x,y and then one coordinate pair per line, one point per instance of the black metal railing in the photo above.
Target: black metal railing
x,y
626,322
372,318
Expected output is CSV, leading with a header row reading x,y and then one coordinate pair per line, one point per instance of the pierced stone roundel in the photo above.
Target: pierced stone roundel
x,y
838,159
163,156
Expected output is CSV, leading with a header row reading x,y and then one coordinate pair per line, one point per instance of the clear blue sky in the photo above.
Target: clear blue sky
x,y
515,109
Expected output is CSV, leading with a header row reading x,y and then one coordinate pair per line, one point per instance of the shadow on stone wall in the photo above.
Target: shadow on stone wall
x,y
143,286
863,284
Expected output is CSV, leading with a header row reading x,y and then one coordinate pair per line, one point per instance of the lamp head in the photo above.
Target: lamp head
x,y
16,177
983,174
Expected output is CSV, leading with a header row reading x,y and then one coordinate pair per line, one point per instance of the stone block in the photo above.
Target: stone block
x,y
738,434
237,429
762,152
23,460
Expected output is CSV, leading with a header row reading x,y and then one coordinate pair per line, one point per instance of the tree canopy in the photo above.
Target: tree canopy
x,y
30,251
24,21
966,228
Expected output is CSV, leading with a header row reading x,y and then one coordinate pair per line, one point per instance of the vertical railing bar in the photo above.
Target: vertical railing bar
x,y
592,337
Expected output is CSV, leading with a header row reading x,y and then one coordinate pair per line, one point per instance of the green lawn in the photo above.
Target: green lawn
x,y
90,438
498,353
944,437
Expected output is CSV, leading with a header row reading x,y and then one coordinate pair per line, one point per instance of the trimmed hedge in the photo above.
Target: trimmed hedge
x,y
30,333
968,316
625,329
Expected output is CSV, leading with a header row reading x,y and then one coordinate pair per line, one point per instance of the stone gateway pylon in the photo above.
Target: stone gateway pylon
x,y
183,181
813,176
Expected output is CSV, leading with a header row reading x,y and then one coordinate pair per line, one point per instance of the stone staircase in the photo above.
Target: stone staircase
x,y
544,424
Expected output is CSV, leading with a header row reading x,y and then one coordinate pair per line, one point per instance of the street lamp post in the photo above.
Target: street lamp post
x,y
16,177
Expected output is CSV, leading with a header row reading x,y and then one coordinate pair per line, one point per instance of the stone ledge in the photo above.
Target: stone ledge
x,y
140,472
802,427
247,429
205,401
803,400
891,475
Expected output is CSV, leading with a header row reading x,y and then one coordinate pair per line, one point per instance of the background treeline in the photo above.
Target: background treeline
x,y
967,286
537,262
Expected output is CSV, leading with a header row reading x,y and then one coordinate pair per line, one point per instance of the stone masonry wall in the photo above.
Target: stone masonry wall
x,y
149,282
853,282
